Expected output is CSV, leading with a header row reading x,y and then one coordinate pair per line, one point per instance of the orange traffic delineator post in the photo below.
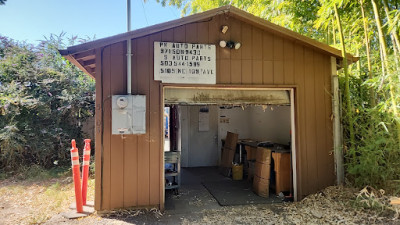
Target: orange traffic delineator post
x,y
85,169
76,176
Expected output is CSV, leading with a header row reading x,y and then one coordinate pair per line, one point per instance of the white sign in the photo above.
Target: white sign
x,y
184,63
204,121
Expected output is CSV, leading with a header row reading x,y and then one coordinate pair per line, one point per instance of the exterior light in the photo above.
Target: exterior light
x,y
237,45
230,44
224,29
222,44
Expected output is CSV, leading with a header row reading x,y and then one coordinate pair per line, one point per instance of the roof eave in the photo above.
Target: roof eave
x,y
71,59
235,12
145,31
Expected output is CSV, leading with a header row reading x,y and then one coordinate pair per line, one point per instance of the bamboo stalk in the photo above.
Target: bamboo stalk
x,y
393,32
347,80
333,32
368,53
386,65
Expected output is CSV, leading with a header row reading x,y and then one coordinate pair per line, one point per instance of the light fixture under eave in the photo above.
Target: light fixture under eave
x,y
222,44
237,45
230,44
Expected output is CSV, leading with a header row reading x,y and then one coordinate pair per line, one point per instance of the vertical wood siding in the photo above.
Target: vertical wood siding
x,y
128,169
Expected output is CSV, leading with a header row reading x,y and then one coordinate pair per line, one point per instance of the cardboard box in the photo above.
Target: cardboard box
x,y
227,157
282,171
251,170
250,152
261,186
231,140
229,148
263,155
282,182
262,170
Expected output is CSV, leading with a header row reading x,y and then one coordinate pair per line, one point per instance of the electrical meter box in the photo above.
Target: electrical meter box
x,y
128,114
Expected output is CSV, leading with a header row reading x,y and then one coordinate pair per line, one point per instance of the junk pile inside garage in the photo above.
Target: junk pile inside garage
x,y
221,154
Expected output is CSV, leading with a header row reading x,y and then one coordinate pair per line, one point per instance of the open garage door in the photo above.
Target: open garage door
x,y
223,96
258,116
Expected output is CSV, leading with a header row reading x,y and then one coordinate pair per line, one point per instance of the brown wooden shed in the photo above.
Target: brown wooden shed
x,y
130,169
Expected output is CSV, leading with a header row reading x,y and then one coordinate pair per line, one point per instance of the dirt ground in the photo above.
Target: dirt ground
x,y
42,202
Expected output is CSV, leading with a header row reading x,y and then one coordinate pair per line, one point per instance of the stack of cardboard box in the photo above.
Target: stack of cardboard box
x,y
249,162
262,172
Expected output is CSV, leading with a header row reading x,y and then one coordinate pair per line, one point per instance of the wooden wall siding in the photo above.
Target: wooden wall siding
x,y
98,133
127,177
130,190
132,165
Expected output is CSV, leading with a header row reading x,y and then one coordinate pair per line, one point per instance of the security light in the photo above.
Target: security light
x,y
230,44
222,44
237,45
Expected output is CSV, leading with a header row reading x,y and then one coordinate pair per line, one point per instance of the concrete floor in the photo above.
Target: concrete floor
x,y
193,196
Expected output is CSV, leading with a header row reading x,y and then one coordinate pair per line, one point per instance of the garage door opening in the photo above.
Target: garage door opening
x,y
262,155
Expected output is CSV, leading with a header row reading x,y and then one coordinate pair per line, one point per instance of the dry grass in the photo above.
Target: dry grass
x,y
333,205
34,202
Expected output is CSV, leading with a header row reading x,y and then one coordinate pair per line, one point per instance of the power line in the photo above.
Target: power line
x,y
144,12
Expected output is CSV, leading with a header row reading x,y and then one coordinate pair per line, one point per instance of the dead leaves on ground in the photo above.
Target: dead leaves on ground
x,y
333,205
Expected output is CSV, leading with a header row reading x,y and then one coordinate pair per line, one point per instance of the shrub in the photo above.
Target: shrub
x,y
43,101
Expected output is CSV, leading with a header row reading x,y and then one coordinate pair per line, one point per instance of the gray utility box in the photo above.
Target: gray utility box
x,y
128,114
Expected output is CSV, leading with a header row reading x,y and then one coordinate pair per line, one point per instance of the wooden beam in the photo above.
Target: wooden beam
x,y
85,55
90,69
76,63
337,137
218,96
89,62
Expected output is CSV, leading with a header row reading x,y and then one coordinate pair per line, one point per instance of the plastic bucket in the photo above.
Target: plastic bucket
x,y
237,172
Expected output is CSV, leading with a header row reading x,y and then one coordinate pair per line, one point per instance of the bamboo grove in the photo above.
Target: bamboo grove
x,y
370,88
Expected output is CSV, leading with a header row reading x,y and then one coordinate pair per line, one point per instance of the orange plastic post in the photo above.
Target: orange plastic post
x,y
85,169
76,176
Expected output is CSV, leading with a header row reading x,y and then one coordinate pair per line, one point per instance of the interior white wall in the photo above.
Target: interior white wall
x,y
253,122
271,124
235,120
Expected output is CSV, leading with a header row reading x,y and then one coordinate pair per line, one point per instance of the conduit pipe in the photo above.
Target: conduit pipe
x,y
129,52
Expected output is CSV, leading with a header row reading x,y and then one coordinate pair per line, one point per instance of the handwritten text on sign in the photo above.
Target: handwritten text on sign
x,y
184,63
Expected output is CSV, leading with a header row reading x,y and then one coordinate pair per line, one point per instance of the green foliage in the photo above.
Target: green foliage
x,y
36,173
377,149
43,101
